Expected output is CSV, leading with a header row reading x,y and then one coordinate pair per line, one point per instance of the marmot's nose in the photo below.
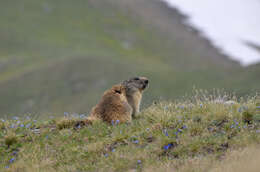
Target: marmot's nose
x,y
146,81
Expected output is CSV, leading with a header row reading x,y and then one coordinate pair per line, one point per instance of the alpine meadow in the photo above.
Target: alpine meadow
x,y
201,111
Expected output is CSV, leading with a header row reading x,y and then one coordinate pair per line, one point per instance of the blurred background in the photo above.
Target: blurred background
x,y
61,55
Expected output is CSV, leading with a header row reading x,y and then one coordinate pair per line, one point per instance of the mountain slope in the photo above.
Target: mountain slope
x,y
58,56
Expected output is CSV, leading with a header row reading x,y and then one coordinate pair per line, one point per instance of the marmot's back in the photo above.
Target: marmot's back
x,y
113,106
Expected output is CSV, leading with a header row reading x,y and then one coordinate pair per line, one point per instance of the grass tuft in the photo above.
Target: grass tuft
x,y
247,117
66,123
10,139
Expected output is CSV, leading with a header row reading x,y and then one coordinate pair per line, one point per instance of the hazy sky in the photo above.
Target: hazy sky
x,y
227,23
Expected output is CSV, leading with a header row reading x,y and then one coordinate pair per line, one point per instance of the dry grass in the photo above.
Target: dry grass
x,y
241,160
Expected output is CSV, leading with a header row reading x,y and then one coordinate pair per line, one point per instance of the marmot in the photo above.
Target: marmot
x,y
121,102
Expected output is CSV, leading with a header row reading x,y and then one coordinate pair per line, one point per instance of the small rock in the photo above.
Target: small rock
x,y
36,131
230,102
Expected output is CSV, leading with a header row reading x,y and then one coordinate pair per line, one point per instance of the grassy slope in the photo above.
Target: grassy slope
x,y
195,135
58,56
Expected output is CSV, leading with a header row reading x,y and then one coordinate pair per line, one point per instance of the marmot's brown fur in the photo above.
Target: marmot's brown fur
x,y
121,102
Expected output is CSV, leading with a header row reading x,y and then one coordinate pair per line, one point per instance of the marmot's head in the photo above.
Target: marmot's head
x,y
136,84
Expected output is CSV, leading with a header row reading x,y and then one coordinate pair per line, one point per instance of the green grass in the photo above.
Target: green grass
x,y
164,136
60,56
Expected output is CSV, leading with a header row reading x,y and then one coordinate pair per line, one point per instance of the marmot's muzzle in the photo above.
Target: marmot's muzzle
x,y
145,83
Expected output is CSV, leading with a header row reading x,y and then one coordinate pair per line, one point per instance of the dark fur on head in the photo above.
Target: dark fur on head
x,y
135,83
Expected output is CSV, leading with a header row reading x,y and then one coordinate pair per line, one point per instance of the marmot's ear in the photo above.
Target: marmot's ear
x,y
117,89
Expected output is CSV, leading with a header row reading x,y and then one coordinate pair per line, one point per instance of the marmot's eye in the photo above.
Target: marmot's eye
x,y
136,79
